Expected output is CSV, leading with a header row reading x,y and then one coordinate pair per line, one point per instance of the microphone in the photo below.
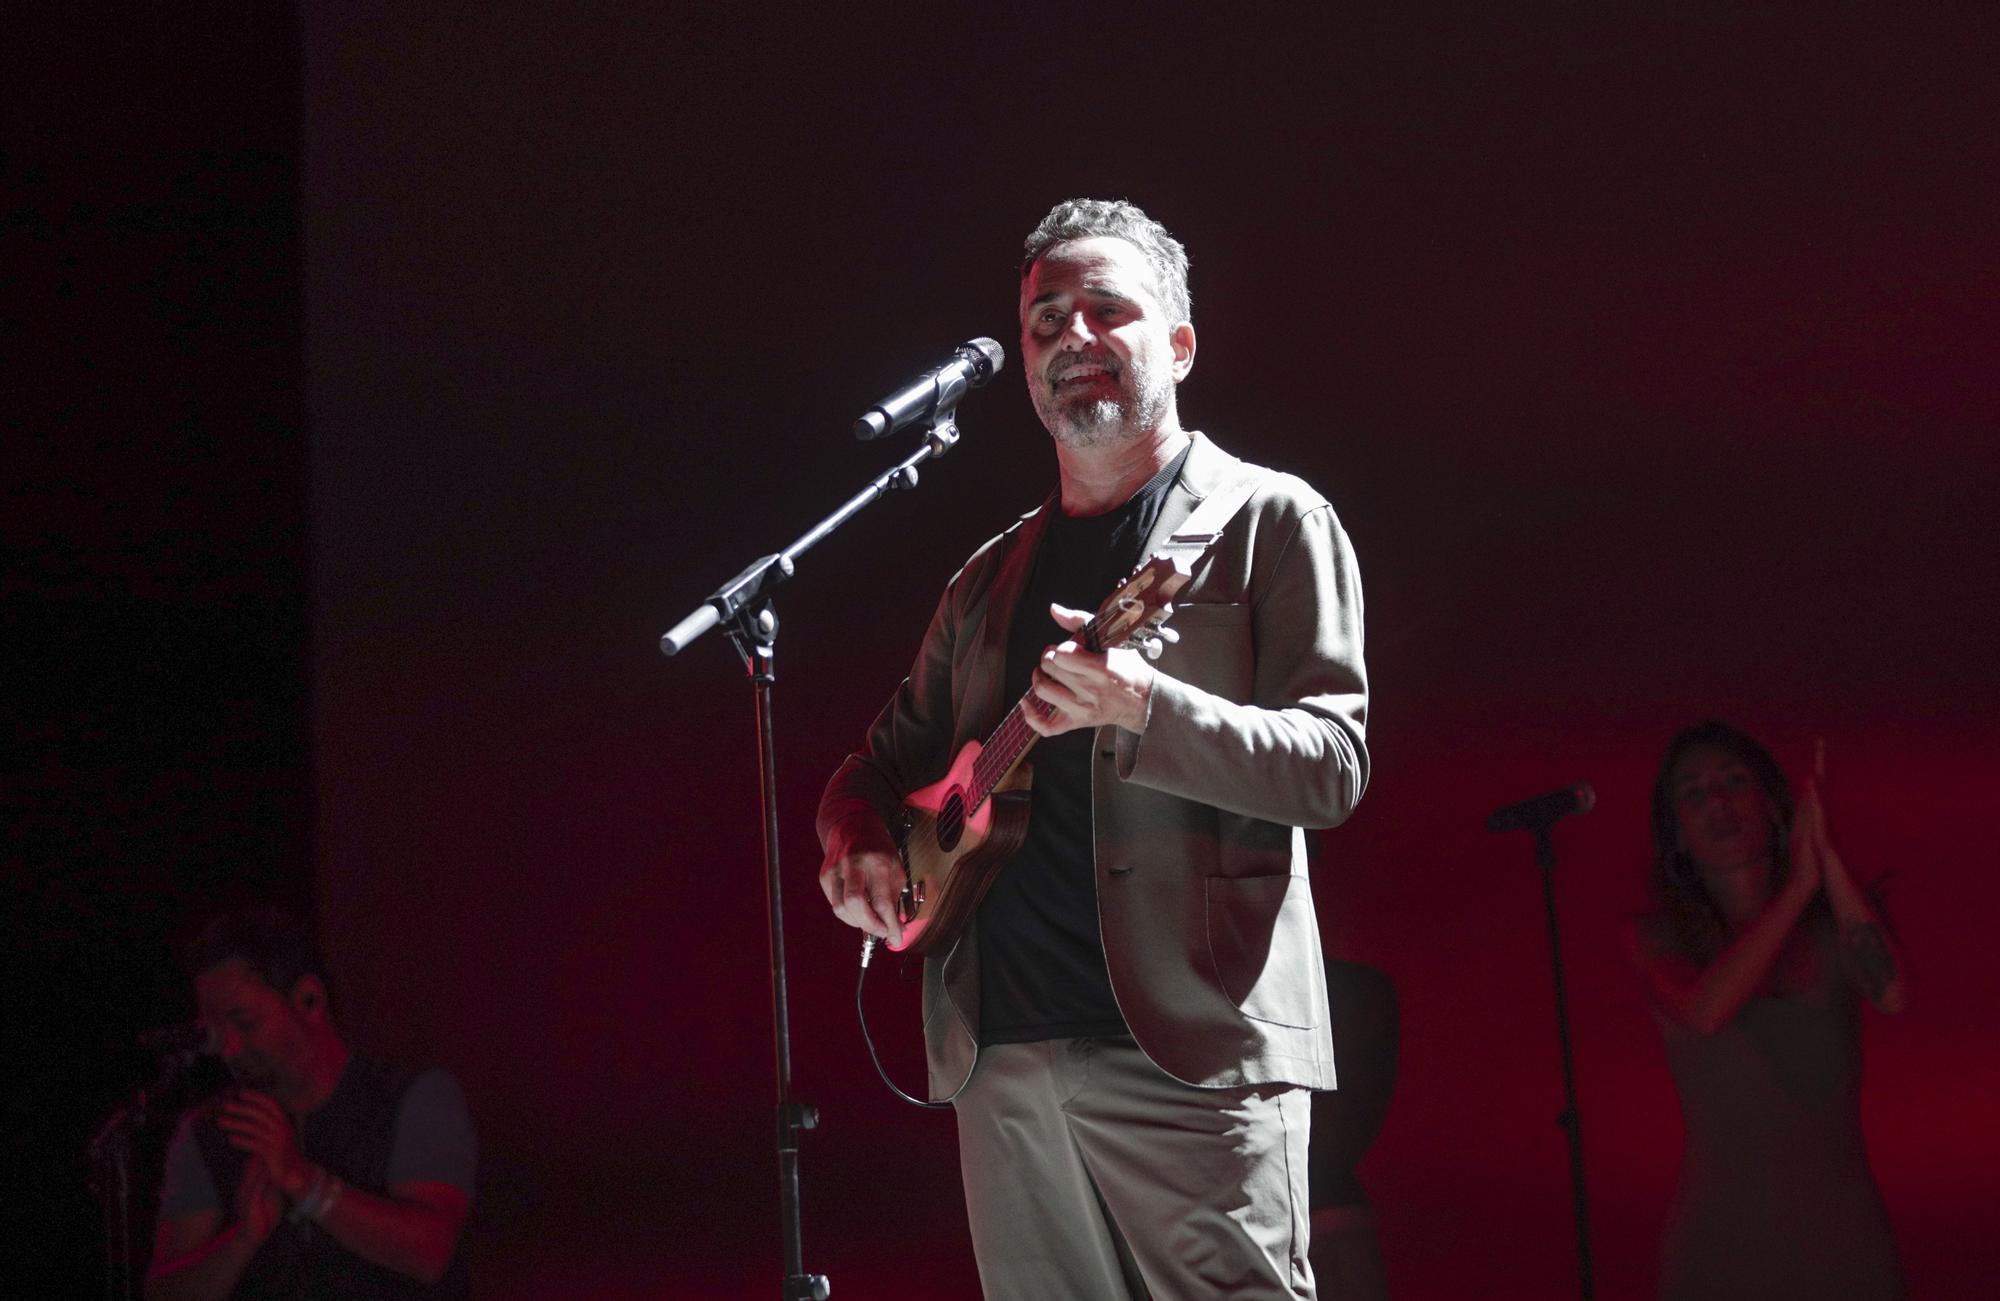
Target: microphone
x,y
935,392
1541,812
187,1037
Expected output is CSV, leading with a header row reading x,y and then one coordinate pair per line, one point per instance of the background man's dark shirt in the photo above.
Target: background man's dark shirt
x,y
379,1126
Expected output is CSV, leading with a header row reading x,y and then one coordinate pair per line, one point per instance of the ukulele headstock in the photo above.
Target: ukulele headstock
x,y
1139,609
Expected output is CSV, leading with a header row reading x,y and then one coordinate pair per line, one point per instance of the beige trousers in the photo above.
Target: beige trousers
x,y
1092,1174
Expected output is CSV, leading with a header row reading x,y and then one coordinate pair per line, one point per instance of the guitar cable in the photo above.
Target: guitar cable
x,y
861,1011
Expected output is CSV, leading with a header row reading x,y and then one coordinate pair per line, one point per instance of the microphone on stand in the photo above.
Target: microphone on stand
x,y
190,1037
1543,811
934,392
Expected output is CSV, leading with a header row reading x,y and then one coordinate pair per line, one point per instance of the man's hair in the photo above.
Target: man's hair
x,y
270,941
1085,218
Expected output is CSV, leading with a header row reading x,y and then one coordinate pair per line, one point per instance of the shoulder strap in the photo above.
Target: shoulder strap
x,y
1204,524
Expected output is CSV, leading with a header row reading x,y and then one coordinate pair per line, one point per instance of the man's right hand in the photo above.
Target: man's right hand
x,y
862,877
257,1202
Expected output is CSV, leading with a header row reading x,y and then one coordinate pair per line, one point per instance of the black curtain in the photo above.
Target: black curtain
x,y
155,530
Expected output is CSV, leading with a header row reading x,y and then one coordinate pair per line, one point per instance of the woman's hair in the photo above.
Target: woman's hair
x,y
1694,921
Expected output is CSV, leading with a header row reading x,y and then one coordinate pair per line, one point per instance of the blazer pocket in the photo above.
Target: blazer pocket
x,y
1260,932
1208,614
1216,650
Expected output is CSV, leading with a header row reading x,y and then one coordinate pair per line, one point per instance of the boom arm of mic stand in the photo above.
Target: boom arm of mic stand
x,y
744,605
754,584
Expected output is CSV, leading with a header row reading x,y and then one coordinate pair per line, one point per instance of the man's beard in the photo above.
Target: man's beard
x,y
1110,419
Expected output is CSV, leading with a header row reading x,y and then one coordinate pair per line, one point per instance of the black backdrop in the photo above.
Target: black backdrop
x,y
1646,356
155,526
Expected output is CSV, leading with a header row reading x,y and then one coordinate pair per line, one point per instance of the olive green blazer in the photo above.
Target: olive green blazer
x,y
1255,730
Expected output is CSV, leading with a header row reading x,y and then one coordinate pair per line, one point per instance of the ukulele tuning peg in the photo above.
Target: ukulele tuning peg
x,y
1150,644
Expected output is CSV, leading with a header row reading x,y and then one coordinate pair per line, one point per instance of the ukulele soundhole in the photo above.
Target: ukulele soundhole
x,y
951,821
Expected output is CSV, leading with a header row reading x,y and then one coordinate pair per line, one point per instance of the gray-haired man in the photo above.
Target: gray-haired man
x,y
1131,1024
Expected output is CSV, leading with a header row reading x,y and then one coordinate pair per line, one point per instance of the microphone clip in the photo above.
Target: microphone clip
x,y
942,434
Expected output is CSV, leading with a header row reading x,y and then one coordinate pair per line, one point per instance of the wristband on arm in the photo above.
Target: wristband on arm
x,y
318,1199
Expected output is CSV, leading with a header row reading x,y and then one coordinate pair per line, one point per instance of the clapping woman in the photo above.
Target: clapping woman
x,y
1756,959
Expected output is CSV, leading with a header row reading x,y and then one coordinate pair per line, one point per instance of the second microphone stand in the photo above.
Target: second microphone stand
x,y
110,1153
1570,1121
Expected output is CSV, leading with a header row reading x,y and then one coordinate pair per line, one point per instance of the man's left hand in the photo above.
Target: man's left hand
x,y
1089,689
258,1125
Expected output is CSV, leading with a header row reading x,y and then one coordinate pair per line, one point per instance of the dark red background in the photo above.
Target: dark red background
x,y
1648,360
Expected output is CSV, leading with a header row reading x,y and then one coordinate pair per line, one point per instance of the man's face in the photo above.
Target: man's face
x,y
1100,356
263,1036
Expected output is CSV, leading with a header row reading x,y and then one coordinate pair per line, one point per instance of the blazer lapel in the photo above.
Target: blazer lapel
x,y
1208,467
980,710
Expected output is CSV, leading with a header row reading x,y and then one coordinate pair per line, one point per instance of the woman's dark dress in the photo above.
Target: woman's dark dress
x,y
1775,1199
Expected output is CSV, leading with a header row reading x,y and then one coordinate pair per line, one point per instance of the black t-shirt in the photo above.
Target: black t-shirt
x,y
352,1135
1041,957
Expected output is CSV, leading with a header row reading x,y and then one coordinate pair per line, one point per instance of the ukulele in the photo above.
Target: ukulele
x,y
958,832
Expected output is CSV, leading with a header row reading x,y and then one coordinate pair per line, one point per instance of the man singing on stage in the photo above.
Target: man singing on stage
x,y
1129,1028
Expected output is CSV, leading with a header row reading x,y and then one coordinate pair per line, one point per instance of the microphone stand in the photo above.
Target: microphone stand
x,y
110,1155
1570,1121
743,606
